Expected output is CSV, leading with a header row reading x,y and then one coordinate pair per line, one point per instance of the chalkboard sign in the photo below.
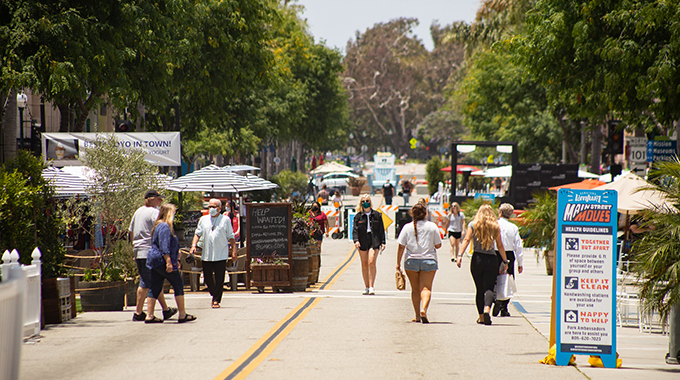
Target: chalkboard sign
x,y
268,230
190,222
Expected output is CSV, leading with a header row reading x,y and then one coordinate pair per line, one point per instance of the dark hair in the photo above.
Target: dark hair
x,y
418,212
315,203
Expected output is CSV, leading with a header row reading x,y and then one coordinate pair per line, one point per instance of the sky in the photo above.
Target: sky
x,y
337,21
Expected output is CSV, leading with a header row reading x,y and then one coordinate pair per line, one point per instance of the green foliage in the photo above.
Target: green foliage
x,y
537,223
434,174
29,217
291,182
120,177
656,256
471,205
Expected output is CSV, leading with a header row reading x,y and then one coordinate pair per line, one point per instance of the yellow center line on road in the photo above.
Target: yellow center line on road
x,y
256,354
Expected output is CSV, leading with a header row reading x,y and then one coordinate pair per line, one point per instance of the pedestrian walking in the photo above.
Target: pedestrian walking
x,y
420,240
388,192
218,237
483,231
163,260
140,235
321,222
455,228
323,194
406,188
368,234
512,243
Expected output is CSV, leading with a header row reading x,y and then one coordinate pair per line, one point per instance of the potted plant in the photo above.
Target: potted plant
x,y
537,226
119,179
356,184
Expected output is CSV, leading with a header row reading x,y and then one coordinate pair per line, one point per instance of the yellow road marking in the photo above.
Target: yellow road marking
x,y
259,351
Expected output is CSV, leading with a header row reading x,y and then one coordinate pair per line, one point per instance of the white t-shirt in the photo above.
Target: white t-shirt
x,y
456,222
141,226
368,217
423,248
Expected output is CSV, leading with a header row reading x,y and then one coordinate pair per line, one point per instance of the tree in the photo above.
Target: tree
x,y
434,173
120,178
392,82
29,217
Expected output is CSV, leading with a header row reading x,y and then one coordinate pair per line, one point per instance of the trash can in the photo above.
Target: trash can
x,y
401,218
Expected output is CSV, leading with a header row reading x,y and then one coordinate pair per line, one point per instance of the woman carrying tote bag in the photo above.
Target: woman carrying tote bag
x,y
420,239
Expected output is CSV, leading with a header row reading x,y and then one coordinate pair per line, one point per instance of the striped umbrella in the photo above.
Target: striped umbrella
x,y
211,178
259,183
64,183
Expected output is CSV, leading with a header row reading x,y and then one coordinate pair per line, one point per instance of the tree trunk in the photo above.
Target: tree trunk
x,y
596,149
65,117
8,137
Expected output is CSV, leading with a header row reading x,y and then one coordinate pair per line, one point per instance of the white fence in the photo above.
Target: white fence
x,y
11,269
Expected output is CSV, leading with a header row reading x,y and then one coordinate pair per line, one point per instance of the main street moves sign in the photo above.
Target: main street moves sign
x,y
586,274
161,148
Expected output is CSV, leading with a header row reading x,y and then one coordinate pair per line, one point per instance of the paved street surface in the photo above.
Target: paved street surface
x,y
333,332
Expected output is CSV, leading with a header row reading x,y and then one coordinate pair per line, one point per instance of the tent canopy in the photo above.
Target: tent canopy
x,y
501,171
330,167
631,199
461,168
586,184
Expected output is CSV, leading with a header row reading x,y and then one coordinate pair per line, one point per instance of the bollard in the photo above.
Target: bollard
x,y
673,355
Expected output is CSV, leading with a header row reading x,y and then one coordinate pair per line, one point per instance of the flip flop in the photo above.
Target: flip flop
x,y
215,305
423,317
187,318
487,319
415,320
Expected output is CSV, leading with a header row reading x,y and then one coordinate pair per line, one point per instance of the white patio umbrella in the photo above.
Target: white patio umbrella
x,y
65,184
240,168
630,199
585,174
210,178
330,167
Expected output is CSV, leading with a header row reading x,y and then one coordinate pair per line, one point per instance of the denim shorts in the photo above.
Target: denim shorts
x,y
421,265
144,274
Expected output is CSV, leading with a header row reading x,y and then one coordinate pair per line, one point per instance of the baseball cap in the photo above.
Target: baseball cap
x,y
151,194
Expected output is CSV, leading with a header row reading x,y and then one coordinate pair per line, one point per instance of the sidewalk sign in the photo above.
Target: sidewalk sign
x,y
586,275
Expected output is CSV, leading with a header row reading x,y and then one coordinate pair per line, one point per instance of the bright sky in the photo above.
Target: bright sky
x,y
337,21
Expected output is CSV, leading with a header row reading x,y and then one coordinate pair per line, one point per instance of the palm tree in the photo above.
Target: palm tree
x,y
656,256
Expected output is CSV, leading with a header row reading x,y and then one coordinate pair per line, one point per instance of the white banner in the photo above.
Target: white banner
x,y
162,148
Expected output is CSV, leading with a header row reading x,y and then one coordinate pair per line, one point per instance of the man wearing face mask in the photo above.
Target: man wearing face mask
x,y
218,236
140,236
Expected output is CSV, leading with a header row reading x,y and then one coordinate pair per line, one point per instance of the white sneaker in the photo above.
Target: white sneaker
x,y
365,292
371,291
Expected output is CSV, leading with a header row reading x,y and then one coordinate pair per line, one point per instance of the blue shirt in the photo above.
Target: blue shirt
x,y
163,243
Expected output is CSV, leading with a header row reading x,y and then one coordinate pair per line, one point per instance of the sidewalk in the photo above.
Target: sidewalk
x,y
333,332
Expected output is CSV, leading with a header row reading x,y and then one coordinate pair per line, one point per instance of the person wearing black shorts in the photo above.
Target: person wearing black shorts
x,y
455,227
368,234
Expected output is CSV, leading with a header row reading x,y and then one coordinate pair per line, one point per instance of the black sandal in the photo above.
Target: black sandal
x,y
155,319
187,318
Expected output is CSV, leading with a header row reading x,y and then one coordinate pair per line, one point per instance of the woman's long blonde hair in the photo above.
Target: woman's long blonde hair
x,y
165,215
485,226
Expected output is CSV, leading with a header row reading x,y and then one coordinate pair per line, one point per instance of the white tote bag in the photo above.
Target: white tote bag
x,y
505,287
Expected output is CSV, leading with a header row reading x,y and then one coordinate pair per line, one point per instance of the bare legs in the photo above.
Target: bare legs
x,y
421,290
151,305
368,268
141,295
455,246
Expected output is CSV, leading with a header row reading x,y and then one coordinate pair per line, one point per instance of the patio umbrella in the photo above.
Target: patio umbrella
x,y
330,167
630,200
313,162
585,174
240,168
258,183
65,184
586,184
460,169
211,178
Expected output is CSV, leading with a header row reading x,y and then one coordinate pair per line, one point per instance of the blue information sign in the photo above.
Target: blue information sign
x,y
586,275
661,150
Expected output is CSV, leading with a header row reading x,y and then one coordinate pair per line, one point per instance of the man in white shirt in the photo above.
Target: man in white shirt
x,y
218,236
512,243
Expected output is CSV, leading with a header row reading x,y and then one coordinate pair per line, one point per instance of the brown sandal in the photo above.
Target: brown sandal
x,y
215,305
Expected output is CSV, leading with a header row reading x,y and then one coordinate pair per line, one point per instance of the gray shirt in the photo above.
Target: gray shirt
x,y
141,226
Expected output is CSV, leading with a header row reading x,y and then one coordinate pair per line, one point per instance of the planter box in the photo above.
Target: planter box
x,y
56,300
102,295
274,275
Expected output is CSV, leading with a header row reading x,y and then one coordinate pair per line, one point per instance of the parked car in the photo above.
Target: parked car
x,y
337,180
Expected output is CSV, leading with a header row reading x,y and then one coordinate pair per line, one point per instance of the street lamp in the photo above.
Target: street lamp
x,y
22,99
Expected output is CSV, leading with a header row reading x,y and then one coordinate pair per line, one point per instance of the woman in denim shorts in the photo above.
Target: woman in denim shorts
x,y
420,239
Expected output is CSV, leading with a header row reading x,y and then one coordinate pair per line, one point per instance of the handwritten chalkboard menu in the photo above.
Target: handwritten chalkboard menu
x,y
190,222
268,230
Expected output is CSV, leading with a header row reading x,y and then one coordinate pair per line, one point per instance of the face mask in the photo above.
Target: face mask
x,y
366,204
213,211
315,208
227,210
